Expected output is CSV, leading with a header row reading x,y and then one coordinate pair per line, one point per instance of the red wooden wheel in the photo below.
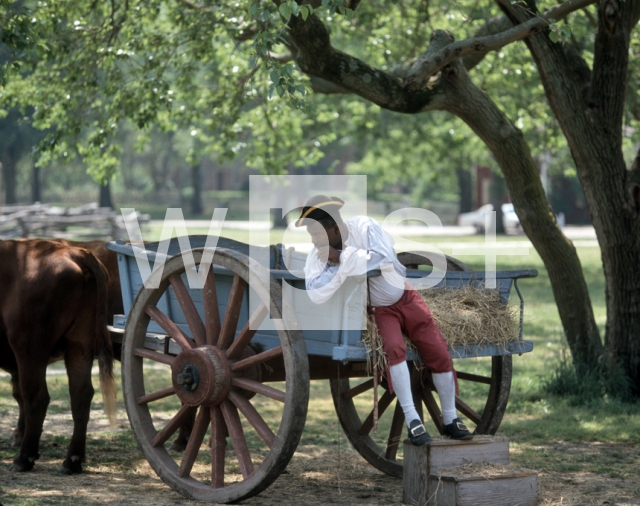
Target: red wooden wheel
x,y
353,400
212,383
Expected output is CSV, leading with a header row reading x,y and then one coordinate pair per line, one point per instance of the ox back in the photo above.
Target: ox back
x,y
53,306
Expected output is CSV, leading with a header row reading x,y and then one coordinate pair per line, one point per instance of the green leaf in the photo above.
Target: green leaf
x,y
285,11
264,16
304,10
294,7
553,36
275,76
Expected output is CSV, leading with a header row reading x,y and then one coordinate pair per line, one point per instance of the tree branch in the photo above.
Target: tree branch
x,y
312,50
493,26
319,85
510,149
427,67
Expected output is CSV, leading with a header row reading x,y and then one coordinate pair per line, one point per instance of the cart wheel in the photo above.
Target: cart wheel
x,y
353,400
214,380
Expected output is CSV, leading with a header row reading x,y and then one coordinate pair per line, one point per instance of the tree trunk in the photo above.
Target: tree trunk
x,y
497,194
457,94
9,172
36,189
507,144
589,107
465,190
277,219
196,183
105,195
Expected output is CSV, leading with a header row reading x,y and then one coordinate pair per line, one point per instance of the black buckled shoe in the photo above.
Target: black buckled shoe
x,y
418,434
457,430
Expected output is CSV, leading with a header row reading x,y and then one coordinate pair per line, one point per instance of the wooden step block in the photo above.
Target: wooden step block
x,y
432,458
518,489
446,453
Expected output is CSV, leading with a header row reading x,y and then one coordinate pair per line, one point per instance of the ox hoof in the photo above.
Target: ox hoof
x,y
71,465
16,441
178,446
20,466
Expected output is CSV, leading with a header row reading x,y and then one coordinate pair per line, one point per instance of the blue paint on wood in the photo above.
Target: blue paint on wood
x,y
323,343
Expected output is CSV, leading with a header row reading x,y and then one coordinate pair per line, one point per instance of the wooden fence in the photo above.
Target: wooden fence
x,y
44,220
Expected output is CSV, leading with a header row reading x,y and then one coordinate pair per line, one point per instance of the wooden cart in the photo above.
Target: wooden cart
x,y
229,381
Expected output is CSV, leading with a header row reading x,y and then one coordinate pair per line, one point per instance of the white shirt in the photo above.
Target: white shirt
x,y
366,248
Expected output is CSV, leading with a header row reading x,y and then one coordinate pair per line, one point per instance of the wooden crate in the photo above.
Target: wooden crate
x,y
422,461
519,489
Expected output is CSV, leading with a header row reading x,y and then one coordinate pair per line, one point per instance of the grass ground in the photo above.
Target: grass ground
x,y
586,455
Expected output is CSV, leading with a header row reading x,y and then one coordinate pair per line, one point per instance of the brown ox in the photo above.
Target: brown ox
x,y
52,307
115,306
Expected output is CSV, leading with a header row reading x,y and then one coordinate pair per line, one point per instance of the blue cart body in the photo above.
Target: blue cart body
x,y
340,337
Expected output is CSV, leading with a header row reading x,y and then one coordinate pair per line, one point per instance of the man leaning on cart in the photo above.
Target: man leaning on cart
x,y
342,248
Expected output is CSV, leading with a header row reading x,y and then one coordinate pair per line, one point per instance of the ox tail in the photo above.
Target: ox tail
x,y
103,346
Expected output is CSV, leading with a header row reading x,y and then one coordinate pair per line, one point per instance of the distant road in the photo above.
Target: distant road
x,y
571,231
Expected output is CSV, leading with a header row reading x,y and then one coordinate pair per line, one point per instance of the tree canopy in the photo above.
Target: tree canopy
x,y
277,80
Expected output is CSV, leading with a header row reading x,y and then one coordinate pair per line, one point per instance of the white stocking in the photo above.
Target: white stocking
x,y
446,387
401,382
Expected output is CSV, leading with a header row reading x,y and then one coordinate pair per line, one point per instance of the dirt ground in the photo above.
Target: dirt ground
x,y
316,475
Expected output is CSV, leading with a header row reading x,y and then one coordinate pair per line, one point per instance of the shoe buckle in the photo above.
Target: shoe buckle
x,y
419,428
461,426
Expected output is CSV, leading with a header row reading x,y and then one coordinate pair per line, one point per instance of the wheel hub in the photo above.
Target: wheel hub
x,y
189,378
201,376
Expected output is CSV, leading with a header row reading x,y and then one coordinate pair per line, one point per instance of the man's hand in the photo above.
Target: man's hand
x,y
329,254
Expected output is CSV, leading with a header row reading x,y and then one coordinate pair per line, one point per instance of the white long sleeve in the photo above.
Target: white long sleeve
x,y
367,247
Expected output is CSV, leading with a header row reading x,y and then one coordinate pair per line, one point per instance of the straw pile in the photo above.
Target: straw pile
x,y
465,316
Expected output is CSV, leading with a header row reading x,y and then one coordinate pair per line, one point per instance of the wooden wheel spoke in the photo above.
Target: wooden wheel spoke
x,y
383,404
218,447
232,314
248,331
254,418
189,309
174,424
160,394
236,433
395,433
432,406
473,377
195,440
154,355
361,388
467,411
258,388
211,311
256,359
169,327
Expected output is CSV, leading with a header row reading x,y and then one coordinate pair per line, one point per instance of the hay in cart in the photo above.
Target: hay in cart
x,y
469,316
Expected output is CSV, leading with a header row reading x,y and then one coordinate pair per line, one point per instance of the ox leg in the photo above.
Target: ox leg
x,y
81,392
35,399
18,433
180,442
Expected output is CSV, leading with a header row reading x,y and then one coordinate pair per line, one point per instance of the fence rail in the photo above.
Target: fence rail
x,y
44,220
